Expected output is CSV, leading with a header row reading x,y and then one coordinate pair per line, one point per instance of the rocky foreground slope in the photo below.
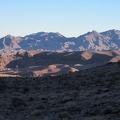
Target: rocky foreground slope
x,y
92,94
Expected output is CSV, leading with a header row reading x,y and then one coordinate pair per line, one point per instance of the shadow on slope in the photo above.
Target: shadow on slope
x,y
49,58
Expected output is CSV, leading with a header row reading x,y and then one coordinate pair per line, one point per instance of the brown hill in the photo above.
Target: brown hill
x,y
40,63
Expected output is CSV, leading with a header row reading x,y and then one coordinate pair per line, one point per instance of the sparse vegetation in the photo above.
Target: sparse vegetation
x,y
65,97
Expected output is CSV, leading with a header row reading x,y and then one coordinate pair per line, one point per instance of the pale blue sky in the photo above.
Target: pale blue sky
x,y
68,17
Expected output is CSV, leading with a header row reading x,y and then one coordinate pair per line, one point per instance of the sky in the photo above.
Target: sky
x,y
71,18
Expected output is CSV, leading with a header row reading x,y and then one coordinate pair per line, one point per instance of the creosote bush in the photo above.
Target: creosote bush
x,y
18,102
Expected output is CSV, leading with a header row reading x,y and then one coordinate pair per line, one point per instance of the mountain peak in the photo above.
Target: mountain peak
x,y
7,36
115,31
59,34
111,32
94,32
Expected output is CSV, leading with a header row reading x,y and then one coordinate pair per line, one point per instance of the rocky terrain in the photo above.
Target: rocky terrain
x,y
41,63
108,40
46,76
92,94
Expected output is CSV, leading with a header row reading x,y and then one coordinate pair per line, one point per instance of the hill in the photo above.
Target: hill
x,y
92,94
41,63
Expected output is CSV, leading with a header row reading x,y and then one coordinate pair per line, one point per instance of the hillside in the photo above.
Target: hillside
x,y
108,40
41,63
92,94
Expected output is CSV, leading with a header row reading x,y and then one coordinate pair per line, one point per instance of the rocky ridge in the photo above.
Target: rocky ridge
x,y
108,40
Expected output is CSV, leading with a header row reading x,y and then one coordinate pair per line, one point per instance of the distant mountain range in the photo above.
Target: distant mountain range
x,y
108,40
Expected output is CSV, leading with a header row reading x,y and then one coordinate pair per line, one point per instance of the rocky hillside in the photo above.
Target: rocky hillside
x,y
109,40
40,63
92,94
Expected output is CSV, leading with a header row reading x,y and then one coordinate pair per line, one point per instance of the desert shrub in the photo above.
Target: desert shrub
x,y
3,86
37,87
66,99
25,90
44,98
118,62
89,111
78,75
64,115
40,107
2,117
37,112
55,109
70,106
108,110
30,99
75,93
18,102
